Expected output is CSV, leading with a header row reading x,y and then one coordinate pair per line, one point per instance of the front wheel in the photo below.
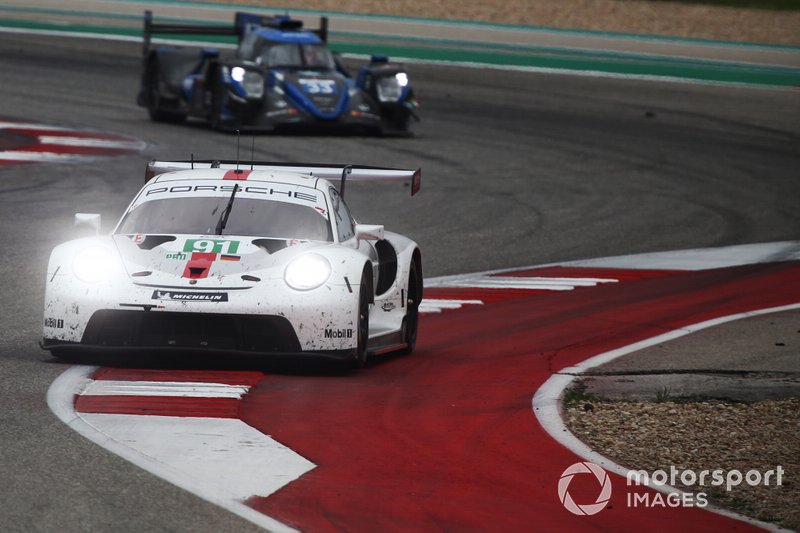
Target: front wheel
x,y
362,328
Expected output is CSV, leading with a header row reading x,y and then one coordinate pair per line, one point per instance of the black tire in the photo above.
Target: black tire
x,y
362,328
215,116
154,99
411,321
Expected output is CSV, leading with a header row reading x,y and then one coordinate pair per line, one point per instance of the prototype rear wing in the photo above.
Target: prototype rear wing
x,y
319,170
240,24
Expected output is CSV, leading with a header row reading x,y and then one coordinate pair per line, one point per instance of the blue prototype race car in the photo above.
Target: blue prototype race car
x,y
280,76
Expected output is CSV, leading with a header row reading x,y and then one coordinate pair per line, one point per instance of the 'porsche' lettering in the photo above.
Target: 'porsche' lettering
x,y
346,333
252,189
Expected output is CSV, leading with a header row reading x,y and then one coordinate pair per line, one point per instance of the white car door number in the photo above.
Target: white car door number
x,y
318,86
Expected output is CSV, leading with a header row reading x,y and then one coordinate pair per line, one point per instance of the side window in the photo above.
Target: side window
x,y
344,222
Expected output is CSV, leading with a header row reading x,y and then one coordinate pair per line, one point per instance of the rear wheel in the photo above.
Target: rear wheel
x,y
411,321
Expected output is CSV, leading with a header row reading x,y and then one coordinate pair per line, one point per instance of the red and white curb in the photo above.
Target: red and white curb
x,y
41,143
218,458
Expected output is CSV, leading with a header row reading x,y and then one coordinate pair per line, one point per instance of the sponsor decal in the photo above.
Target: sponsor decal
x,y
317,85
182,296
345,333
388,306
177,255
54,323
211,246
251,189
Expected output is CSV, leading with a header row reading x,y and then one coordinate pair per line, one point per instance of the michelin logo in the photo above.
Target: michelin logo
x,y
177,296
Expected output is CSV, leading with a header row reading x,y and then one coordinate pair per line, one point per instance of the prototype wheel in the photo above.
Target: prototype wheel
x,y
154,99
411,321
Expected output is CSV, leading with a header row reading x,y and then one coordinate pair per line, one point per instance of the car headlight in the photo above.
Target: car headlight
x,y
390,88
93,265
307,272
250,80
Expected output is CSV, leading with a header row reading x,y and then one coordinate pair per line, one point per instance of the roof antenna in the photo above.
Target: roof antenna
x,y
237,152
192,158
345,172
252,152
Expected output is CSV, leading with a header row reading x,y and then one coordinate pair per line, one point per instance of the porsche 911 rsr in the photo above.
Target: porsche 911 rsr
x,y
280,76
265,260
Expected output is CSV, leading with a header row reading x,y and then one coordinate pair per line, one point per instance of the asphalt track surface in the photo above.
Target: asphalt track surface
x,y
518,169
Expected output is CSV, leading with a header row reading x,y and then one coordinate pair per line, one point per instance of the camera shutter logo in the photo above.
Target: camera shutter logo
x,y
590,508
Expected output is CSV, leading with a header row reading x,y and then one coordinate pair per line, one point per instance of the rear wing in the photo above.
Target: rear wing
x,y
242,21
318,170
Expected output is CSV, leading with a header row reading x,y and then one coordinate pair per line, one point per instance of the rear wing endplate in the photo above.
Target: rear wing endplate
x,y
319,170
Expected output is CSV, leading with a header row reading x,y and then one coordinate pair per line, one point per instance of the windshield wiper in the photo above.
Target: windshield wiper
x,y
223,219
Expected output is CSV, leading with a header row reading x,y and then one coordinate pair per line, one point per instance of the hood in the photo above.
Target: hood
x,y
322,94
202,261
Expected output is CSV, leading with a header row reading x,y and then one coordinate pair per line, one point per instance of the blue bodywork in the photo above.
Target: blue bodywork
x,y
281,75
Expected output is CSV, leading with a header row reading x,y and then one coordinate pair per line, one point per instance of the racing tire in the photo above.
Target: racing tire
x,y
362,328
154,98
411,320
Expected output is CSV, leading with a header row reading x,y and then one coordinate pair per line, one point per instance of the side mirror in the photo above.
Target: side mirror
x,y
88,220
369,232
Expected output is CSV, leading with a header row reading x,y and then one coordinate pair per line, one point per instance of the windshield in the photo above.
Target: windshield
x,y
314,56
199,215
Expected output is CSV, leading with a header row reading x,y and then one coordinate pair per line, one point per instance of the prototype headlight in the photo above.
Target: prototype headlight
x,y
251,81
307,272
390,88
93,265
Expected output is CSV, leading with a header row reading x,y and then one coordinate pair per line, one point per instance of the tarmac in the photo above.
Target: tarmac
x,y
750,359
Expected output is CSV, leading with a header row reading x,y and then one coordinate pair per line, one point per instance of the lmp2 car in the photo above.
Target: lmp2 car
x,y
209,257
280,76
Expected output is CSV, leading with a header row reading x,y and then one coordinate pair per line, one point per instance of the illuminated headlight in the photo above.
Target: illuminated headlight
x,y
251,81
93,265
390,88
307,272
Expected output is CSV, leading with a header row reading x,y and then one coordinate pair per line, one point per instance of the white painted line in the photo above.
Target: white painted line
x,y
546,402
16,155
92,142
164,388
530,283
432,305
29,126
223,461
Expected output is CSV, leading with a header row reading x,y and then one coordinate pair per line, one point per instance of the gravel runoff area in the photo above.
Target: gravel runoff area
x,y
705,435
628,16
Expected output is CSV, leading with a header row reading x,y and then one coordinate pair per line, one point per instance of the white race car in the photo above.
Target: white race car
x,y
262,259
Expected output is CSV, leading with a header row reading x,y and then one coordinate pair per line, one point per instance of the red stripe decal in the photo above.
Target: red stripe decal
x,y
237,174
199,265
